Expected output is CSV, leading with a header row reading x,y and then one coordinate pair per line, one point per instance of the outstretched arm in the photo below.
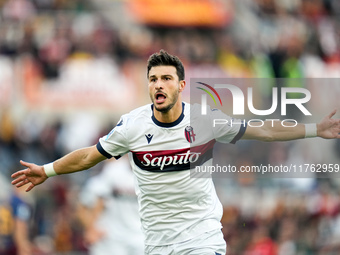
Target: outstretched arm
x,y
327,128
77,160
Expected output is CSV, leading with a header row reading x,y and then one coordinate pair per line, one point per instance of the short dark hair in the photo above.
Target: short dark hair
x,y
165,59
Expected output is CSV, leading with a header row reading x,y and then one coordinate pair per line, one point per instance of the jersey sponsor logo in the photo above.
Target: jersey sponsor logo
x,y
173,160
149,137
180,158
189,134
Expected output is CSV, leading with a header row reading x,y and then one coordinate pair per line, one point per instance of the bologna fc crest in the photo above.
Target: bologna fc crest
x,y
189,134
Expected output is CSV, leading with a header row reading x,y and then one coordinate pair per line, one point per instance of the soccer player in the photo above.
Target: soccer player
x,y
109,211
179,214
15,214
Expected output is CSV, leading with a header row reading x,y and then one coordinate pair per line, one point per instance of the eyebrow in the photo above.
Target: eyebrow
x,y
162,76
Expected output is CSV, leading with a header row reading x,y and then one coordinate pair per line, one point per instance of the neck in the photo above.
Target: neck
x,y
170,116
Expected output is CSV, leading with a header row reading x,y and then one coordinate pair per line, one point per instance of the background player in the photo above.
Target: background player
x,y
15,216
109,211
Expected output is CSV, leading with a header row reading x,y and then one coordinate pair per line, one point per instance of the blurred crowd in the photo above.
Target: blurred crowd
x,y
259,42
265,39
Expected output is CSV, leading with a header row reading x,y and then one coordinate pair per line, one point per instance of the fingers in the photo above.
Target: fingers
x,y
20,184
26,164
26,176
19,173
332,114
30,187
19,179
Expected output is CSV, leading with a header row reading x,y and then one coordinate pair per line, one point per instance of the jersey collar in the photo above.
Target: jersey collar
x,y
168,125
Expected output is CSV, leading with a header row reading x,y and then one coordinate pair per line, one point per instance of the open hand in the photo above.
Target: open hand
x,y
33,174
329,128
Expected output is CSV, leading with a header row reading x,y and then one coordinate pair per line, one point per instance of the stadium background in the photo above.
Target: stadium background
x,y
69,69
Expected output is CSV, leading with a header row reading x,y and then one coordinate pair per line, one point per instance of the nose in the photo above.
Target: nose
x,y
159,84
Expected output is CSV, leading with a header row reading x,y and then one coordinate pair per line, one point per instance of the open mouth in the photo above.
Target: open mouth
x,y
160,97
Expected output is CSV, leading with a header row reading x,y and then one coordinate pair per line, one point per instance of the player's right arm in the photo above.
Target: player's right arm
x,y
75,161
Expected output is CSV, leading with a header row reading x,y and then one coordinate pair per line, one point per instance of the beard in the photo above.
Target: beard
x,y
166,108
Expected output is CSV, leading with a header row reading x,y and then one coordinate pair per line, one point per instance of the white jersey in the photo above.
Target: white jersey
x,y
173,206
120,218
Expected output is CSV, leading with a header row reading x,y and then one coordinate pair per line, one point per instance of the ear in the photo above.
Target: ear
x,y
181,85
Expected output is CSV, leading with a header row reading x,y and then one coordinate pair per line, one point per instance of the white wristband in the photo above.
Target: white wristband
x,y
49,170
311,130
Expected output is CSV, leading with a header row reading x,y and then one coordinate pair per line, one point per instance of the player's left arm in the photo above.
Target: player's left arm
x,y
327,128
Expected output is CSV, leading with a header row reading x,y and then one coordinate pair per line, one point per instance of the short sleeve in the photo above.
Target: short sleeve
x,y
21,210
225,128
115,144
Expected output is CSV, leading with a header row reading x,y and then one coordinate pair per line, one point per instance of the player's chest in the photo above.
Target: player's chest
x,y
165,138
